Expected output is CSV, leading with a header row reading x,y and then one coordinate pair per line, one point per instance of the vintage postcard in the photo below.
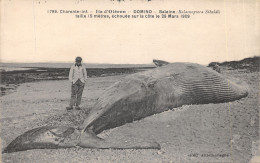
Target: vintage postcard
x,y
130,80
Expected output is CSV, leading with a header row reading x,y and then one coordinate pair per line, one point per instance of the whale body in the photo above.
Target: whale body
x,y
135,97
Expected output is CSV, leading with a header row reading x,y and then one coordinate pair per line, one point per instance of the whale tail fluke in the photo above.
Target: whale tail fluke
x,y
49,137
46,137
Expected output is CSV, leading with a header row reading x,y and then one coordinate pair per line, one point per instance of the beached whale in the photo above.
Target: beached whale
x,y
135,97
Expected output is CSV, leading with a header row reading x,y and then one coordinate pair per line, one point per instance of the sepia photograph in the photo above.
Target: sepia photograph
x,y
130,81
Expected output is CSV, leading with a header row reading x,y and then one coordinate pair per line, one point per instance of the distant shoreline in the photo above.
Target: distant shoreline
x,y
68,65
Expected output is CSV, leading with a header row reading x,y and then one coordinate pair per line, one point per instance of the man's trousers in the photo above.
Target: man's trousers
x,y
76,93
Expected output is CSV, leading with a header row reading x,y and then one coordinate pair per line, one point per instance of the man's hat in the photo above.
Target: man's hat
x,y
78,59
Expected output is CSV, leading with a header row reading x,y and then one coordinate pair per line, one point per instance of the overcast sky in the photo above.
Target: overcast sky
x,y
30,34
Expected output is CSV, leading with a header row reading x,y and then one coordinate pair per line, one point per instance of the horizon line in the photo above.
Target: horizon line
x,y
253,56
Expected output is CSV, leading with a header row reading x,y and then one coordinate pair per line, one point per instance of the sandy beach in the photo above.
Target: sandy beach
x,y
225,132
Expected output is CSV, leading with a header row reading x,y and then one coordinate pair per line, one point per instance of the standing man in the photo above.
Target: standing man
x,y
78,77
